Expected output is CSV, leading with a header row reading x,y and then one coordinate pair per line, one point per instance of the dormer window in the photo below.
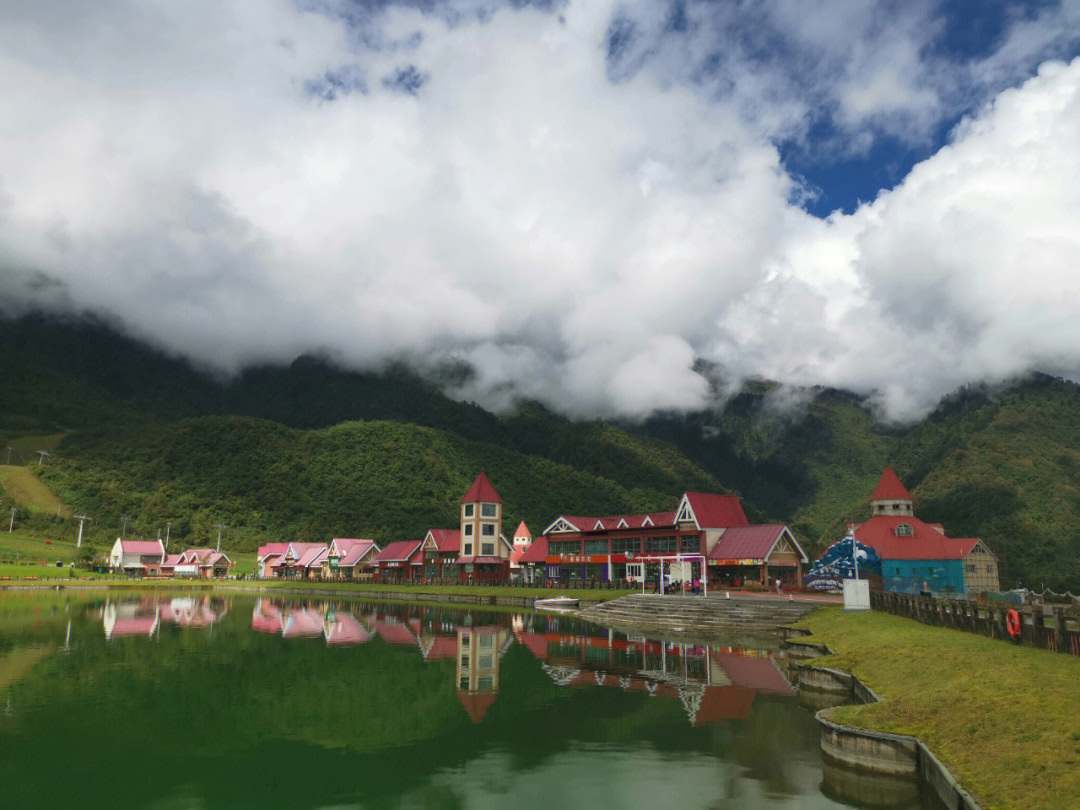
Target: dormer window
x,y
487,510
468,510
904,530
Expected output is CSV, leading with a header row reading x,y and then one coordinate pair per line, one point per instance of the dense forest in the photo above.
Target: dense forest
x,y
308,450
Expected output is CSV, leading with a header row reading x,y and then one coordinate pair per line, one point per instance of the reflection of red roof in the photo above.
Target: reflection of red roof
x,y
481,490
344,628
536,552
134,626
535,642
302,624
723,703
394,633
397,552
447,540
441,647
716,511
890,488
927,543
756,673
476,706
747,542
266,618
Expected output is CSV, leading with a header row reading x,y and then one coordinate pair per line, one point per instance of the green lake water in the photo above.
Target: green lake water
x,y
181,701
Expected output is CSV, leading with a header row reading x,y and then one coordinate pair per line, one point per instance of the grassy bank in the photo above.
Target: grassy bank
x,y
1004,719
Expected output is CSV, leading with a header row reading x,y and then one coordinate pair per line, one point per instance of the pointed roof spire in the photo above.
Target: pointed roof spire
x,y
890,488
481,490
522,531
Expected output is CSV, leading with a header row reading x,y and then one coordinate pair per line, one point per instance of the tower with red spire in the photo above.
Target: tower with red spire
x,y
891,496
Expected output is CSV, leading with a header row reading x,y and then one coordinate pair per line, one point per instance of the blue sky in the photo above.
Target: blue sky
x,y
579,200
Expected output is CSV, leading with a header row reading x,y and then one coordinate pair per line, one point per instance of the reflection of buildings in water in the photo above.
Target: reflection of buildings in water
x,y
714,684
136,618
479,652
144,617
344,628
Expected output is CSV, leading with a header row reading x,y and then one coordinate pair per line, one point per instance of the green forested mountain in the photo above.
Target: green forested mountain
x,y
311,451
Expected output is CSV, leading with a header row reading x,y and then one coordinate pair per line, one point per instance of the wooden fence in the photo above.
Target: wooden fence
x,y
1047,627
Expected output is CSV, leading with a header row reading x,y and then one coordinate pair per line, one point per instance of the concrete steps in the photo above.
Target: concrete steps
x,y
696,612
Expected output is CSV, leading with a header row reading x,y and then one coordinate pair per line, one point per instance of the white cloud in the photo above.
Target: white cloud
x,y
577,240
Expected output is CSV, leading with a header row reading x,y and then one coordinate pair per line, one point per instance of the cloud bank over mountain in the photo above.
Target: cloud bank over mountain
x,y
580,201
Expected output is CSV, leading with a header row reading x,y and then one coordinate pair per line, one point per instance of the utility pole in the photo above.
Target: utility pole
x,y
11,525
220,526
82,519
168,525
42,455
9,455
123,531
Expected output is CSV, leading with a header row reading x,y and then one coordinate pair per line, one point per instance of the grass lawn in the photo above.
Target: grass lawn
x,y
1004,719
43,572
30,492
469,590
31,548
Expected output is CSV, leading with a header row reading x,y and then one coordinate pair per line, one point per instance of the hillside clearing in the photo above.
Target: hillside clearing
x,y
30,492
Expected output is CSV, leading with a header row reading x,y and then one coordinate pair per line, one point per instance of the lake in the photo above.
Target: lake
x,y
197,701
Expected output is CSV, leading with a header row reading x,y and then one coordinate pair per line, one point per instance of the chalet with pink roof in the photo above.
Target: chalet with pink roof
x,y
137,557
204,563
350,558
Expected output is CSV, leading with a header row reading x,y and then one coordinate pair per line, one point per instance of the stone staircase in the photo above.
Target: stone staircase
x,y
696,613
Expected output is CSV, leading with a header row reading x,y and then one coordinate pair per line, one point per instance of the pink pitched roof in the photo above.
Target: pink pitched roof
x,y
536,552
481,490
890,488
522,531
754,672
313,557
716,511
266,617
398,551
747,542
352,551
926,543
271,548
134,626
142,547
447,540
393,633
441,647
171,560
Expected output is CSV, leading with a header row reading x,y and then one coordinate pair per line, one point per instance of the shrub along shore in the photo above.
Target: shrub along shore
x,y
1004,719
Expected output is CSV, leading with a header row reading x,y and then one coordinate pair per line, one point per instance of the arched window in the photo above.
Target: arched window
x,y
904,530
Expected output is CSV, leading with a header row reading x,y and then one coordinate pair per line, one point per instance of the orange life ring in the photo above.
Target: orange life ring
x,y
1012,623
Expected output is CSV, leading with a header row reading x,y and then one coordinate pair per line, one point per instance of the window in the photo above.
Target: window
x,y
484,662
487,510
564,547
468,510
989,569
904,530
660,545
487,549
485,641
464,684
971,568
468,530
467,549
626,545
487,529
465,641
464,660
596,547
690,544
485,683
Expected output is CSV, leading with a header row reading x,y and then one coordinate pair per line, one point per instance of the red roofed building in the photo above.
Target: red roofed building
x,y
396,560
630,546
350,558
485,551
138,557
916,555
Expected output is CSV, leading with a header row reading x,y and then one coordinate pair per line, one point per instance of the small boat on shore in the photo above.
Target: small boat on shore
x,y
559,603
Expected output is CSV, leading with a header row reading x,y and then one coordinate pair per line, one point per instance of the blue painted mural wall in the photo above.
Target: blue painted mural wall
x,y
907,576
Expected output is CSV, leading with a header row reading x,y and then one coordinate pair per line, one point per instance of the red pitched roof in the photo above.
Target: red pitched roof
x,y
481,490
393,633
889,488
441,647
398,551
447,540
344,628
927,543
522,531
716,511
746,542
536,552
608,523
302,623
756,673
271,548
723,703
